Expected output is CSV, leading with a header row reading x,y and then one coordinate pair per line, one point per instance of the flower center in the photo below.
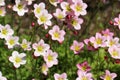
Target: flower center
x,y
4,31
56,35
50,58
77,48
99,41
20,6
38,10
40,48
1,11
111,43
84,78
11,42
107,77
24,46
115,53
79,8
18,60
60,78
74,23
43,19
60,16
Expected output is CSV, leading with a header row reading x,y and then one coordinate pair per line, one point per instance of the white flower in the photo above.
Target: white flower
x,y
17,59
40,48
59,14
25,45
2,11
39,8
2,2
20,8
44,18
5,31
1,77
51,58
11,41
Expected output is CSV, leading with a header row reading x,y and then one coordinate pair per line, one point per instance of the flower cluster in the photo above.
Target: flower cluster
x,y
50,57
43,17
83,71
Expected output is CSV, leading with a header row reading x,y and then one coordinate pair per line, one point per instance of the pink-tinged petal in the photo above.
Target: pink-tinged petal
x,y
36,54
16,65
113,75
34,45
11,59
49,23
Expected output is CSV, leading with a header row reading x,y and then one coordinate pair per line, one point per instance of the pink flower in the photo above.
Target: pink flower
x,y
117,21
65,6
57,34
40,48
108,75
79,8
98,40
112,41
59,14
5,31
76,23
39,8
114,52
107,33
83,75
89,45
77,46
51,58
62,76
84,66
2,11
44,18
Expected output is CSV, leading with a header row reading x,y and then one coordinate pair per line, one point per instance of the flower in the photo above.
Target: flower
x,y
112,41
11,41
2,2
98,40
59,14
44,18
108,75
57,34
30,1
84,75
76,23
44,69
20,8
62,76
25,45
65,6
2,11
79,8
40,48
17,59
39,8
54,2
5,31
114,52
51,58
1,77
84,66
117,21
107,33
77,46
